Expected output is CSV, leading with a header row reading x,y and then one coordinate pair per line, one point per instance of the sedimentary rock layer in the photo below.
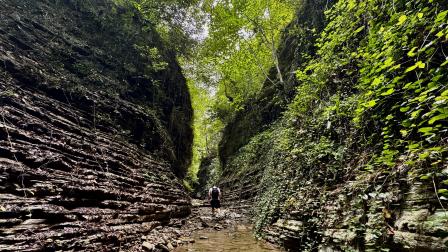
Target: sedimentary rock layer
x,y
89,145
65,184
360,212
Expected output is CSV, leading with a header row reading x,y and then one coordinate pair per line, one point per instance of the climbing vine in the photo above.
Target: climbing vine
x,y
371,104
389,62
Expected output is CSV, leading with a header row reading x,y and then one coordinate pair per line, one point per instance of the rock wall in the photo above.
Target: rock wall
x,y
316,177
309,208
92,135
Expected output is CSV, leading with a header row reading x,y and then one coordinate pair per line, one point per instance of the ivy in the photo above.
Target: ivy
x,y
376,92
398,71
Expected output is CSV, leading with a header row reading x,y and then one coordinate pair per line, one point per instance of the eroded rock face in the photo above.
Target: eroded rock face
x,y
362,213
87,157
67,185
305,209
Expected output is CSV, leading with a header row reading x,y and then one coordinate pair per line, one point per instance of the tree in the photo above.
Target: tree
x,y
242,42
177,21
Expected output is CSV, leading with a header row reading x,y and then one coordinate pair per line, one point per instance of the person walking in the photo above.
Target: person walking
x,y
214,196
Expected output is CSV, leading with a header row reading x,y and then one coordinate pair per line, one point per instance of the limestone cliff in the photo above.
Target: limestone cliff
x,y
93,131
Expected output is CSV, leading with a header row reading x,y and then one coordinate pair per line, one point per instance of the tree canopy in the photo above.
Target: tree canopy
x,y
232,59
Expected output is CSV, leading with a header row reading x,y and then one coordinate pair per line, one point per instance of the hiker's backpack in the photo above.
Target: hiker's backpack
x,y
215,193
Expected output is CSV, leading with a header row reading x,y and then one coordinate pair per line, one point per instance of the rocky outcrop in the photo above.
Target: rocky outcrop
x,y
352,216
91,138
304,208
107,48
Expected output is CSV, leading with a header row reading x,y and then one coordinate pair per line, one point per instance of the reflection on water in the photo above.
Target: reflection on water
x,y
238,239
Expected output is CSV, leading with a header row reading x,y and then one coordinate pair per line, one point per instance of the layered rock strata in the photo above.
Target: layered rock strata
x,y
360,212
87,160
68,185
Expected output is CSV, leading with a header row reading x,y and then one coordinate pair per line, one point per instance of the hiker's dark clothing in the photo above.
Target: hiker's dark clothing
x,y
215,203
214,194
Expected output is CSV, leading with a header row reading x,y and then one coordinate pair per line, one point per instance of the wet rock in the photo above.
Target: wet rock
x,y
292,225
340,235
413,240
204,223
165,239
177,232
242,227
327,249
163,248
147,246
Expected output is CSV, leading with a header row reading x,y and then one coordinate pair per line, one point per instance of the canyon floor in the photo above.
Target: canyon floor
x,y
226,230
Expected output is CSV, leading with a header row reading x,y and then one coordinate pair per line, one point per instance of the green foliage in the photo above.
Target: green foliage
x,y
230,64
373,100
388,61
153,55
240,49
206,129
176,21
402,72
187,186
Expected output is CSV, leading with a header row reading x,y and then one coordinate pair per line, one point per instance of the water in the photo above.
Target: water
x,y
239,238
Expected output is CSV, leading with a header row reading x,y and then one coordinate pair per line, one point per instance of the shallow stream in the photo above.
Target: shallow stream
x,y
238,238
